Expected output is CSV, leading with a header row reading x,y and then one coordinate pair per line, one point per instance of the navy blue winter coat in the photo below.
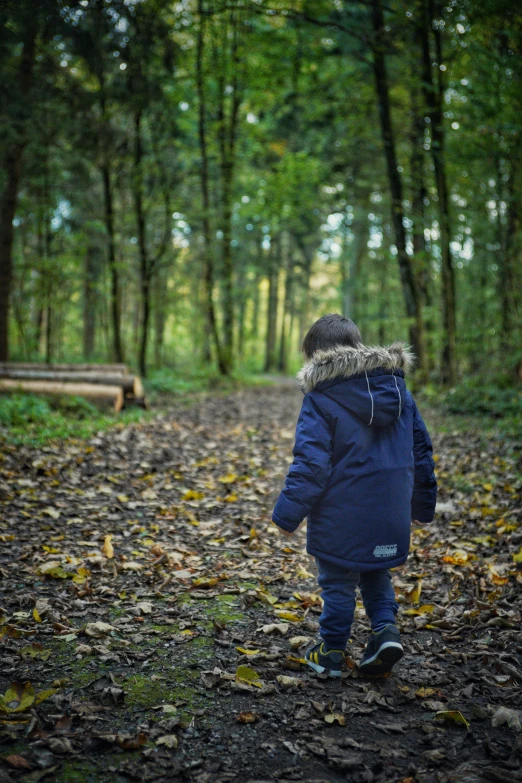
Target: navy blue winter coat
x,y
363,466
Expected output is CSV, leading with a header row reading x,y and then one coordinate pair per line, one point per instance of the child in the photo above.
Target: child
x,y
362,471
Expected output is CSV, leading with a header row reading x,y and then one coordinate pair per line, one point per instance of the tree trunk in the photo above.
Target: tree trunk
x,y
108,369
12,165
351,263
271,322
145,265
434,97
159,310
115,294
227,130
408,282
91,272
210,313
282,364
130,384
101,396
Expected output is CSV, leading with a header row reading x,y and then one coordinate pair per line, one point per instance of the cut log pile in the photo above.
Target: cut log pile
x,y
105,385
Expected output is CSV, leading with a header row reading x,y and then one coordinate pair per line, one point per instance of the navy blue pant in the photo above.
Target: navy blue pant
x,y
339,588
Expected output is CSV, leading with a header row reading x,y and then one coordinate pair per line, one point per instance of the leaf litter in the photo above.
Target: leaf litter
x,y
153,621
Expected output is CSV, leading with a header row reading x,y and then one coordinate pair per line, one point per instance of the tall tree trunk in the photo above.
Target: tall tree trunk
x,y
434,97
210,313
90,279
159,310
12,165
351,262
145,265
227,131
306,273
282,364
115,294
408,281
271,321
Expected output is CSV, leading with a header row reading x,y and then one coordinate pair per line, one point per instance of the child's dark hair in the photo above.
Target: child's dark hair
x,y
329,331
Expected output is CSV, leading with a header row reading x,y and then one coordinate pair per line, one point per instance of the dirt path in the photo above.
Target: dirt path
x,y
139,572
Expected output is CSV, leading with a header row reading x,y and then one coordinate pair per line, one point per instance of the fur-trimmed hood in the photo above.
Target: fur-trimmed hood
x,y
344,361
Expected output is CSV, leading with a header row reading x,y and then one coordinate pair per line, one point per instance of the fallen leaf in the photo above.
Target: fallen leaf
x,y
512,718
298,641
281,628
452,716
247,675
333,717
288,682
35,650
17,762
98,629
169,741
107,548
247,717
17,697
290,616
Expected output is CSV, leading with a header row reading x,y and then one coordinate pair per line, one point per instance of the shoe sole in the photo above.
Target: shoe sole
x,y
323,670
381,664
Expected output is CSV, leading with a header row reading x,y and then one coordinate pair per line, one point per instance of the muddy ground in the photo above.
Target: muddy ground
x,y
154,621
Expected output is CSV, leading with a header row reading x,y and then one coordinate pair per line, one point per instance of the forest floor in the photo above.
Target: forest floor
x,y
153,620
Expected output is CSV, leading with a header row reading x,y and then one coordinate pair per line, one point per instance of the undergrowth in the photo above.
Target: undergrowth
x,y
35,420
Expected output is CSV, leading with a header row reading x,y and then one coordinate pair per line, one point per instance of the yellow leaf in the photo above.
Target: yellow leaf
x,y
81,576
413,595
290,616
454,716
424,609
249,676
459,557
488,487
43,695
425,693
517,558
266,598
247,717
54,570
52,550
17,698
335,716
36,616
230,478
107,548
303,573
35,650
231,498
203,581
246,652
193,494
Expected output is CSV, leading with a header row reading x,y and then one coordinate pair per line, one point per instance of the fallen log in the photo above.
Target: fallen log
x,y
130,384
109,369
102,396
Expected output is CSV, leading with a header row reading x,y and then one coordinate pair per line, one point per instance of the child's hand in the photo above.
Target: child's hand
x,y
415,522
284,532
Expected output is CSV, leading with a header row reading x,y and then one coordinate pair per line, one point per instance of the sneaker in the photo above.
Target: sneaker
x,y
323,662
382,652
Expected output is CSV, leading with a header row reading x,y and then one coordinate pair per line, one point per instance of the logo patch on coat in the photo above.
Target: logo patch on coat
x,y
386,550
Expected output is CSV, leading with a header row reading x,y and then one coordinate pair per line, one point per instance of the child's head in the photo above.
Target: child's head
x,y
329,331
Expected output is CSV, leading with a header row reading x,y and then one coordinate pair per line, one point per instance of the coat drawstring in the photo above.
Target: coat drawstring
x,y
371,396
400,398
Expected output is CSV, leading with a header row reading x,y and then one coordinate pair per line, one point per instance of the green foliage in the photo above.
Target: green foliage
x,y
19,409
484,399
36,420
